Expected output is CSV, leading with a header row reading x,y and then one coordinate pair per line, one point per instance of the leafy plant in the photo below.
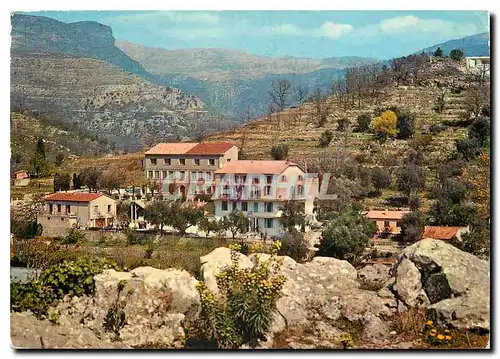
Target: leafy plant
x,y
242,313
279,152
437,336
71,277
295,246
325,138
115,317
73,236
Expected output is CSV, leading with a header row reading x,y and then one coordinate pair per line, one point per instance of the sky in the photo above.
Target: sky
x,y
313,34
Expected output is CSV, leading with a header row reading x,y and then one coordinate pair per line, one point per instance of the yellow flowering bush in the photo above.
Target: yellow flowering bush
x,y
242,312
437,336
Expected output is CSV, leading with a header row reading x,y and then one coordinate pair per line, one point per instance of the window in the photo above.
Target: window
x,y
181,175
182,161
109,208
386,224
51,208
300,178
96,209
228,160
235,206
197,161
283,178
150,174
256,207
269,207
62,219
164,174
157,174
267,190
224,205
153,161
269,179
58,208
167,162
211,161
269,222
300,190
68,209
255,180
244,206
170,175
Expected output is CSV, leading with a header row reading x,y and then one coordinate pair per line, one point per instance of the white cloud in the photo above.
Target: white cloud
x,y
397,23
334,31
414,25
327,29
193,17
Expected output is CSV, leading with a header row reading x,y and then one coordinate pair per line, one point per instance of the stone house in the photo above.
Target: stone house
x,y
387,221
187,169
260,188
62,210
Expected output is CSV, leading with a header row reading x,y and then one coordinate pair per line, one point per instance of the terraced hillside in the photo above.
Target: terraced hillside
x,y
298,127
64,140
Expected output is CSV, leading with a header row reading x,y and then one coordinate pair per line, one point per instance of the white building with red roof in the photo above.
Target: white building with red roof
x,y
260,188
62,210
187,168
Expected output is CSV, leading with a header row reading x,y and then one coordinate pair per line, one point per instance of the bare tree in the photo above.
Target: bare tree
x,y
300,95
279,93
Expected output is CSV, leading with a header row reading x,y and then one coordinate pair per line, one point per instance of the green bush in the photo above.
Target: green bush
x,y
243,311
295,246
71,277
73,236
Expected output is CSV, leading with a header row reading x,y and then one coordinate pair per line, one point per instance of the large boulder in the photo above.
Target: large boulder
x,y
453,284
319,299
374,275
157,304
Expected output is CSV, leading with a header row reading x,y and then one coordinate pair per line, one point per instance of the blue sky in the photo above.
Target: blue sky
x,y
316,34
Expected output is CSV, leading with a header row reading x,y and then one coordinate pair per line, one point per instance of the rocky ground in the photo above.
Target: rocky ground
x,y
323,301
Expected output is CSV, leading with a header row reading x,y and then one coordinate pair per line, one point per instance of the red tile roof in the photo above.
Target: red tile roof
x,y
207,148
441,232
255,167
73,197
394,215
190,148
177,148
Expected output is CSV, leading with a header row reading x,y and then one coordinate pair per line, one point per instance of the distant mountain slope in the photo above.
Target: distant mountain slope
x,y
475,45
234,97
85,39
75,73
226,64
104,99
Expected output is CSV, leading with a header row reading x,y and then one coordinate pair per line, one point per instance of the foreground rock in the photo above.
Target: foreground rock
x,y
322,300
453,284
158,302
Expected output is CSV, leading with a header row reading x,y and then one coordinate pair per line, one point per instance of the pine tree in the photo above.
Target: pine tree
x,y
39,161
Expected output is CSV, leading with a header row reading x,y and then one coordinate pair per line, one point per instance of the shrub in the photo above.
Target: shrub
x,y
115,317
243,311
346,236
325,139
381,178
456,54
279,152
295,246
385,125
73,236
468,148
363,123
412,226
343,124
405,124
410,179
436,128
67,278
480,129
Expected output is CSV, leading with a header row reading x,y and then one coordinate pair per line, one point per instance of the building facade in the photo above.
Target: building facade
x,y
187,169
64,210
259,189
387,221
